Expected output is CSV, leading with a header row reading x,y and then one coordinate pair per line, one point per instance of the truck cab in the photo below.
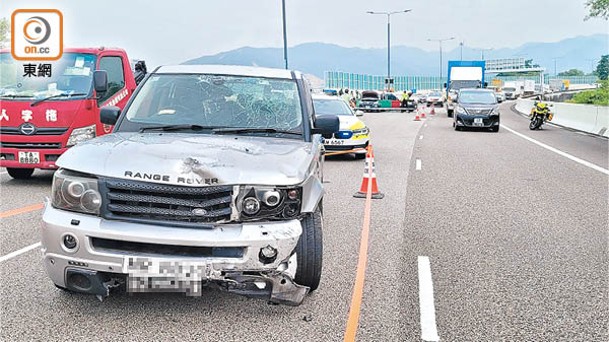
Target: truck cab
x,y
462,75
42,115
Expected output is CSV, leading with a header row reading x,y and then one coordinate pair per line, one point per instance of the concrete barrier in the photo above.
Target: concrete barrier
x,y
585,118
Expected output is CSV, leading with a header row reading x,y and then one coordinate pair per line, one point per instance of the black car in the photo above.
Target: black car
x,y
476,108
369,101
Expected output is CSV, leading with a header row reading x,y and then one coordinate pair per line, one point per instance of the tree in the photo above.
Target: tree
x,y
571,72
602,69
598,9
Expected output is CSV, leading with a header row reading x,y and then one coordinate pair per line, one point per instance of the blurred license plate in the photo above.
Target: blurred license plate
x,y
478,122
334,142
166,275
29,157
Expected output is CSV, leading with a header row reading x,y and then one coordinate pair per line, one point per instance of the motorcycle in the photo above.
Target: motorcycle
x,y
540,113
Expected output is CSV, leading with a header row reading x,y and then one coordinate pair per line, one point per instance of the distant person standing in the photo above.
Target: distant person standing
x,y
346,96
405,97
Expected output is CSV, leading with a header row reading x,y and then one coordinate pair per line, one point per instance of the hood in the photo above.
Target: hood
x,y
193,159
350,123
46,114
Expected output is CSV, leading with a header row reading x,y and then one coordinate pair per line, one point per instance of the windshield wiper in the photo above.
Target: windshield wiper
x,y
167,128
35,103
253,130
16,96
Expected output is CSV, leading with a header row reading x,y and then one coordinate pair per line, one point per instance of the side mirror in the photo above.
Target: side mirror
x,y
359,113
109,115
100,81
326,125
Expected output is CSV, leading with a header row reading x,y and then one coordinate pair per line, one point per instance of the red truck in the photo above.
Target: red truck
x,y
43,115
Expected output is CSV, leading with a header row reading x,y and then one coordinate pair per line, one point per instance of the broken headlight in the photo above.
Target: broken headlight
x,y
254,203
75,192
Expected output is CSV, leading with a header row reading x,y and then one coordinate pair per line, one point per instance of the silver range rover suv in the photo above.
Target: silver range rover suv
x,y
212,177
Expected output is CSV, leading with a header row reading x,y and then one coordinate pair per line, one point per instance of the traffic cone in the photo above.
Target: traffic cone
x,y
416,116
423,116
433,109
369,176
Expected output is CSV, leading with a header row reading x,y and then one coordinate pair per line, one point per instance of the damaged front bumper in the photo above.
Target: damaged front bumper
x,y
89,254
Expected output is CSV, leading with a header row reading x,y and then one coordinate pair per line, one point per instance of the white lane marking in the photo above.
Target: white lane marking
x,y
21,251
429,331
420,137
418,165
3,173
557,151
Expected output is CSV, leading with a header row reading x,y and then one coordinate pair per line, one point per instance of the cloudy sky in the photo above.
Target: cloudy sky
x,y
164,32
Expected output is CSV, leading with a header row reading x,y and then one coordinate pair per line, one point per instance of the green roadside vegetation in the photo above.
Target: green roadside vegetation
x,y
599,96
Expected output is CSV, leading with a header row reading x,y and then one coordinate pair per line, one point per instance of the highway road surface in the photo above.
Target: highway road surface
x,y
480,237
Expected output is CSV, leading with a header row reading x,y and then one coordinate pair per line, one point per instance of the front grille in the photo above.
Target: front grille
x,y
39,131
55,146
139,248
479,111
165,204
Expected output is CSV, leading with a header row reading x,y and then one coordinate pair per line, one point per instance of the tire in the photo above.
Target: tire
x,y
360,155
449,113
457,128
309,251
20,173
535,123
495,129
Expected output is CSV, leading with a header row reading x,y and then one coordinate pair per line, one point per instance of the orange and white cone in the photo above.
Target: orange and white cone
x,y
433,109
423,116
369,177
416,116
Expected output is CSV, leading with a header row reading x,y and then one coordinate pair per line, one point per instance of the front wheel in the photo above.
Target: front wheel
x,y
20,173
535,123
309,251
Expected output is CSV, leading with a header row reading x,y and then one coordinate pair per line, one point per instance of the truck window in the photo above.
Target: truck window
x,y
116,77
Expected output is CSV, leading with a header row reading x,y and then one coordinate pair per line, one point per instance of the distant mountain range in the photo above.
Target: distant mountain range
x,y
315,58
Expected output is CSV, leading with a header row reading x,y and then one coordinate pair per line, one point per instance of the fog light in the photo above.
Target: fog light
x,y
251,206
70,241
267,254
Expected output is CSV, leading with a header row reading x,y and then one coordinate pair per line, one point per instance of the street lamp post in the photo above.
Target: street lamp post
x,y
482,51
440,42
388,14
555,59
461,45
285,36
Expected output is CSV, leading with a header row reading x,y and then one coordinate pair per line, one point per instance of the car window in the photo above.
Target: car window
x,y
331,107
477,97
113,65
216,100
